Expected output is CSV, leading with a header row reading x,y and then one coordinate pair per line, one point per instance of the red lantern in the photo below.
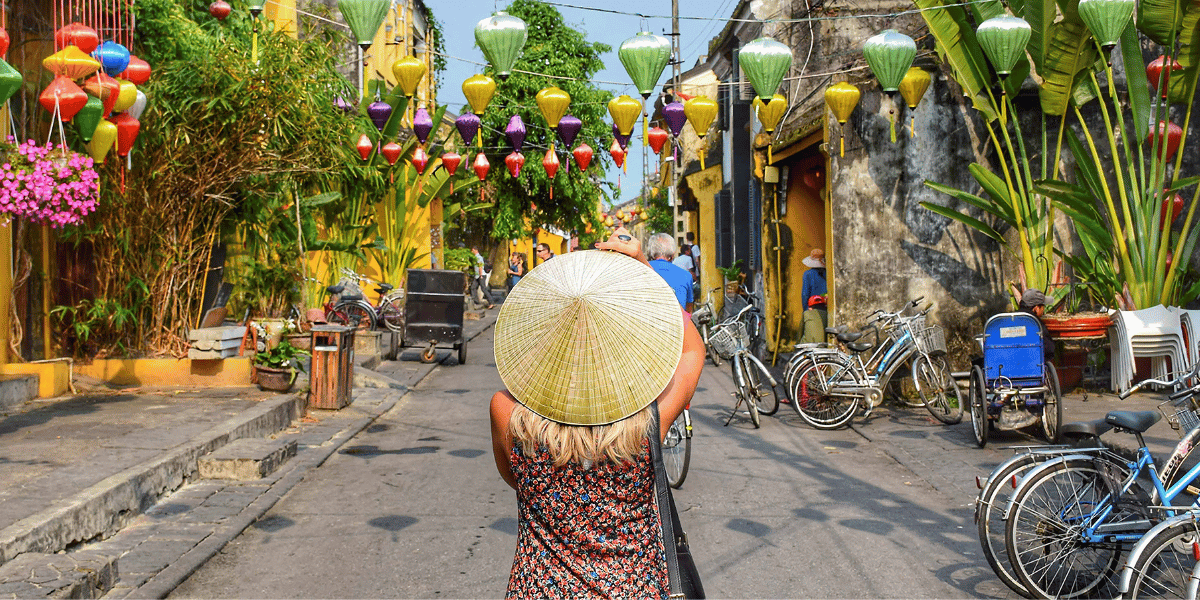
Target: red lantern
x,y
219,9
137,72
105,88
127,132
618,153
420,159
365,146
69,97
1154,70
1174,136
79,35
551,163
481,166
450,161
4,42
656,138
1172,204
514,162
391,152
583,156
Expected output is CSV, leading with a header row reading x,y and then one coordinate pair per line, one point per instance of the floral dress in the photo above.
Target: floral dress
x,y
587,531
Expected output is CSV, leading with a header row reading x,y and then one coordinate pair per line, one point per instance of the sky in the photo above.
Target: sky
x,y
458,18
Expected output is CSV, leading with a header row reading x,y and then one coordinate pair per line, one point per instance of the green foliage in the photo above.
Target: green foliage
x,y
459,259
732,272
283,356
558,49
660,214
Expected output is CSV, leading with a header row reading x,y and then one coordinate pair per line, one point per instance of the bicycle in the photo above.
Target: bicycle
x,y
704,318
677,448
732,342
347,306
1071,518
755,327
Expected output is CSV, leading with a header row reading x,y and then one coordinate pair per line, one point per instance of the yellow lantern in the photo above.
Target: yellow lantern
x,y
841,98
700,112
553,103
624,111
71,62
408,72
479,90
102,140
126,96
620,214
769,114
608,221
913,87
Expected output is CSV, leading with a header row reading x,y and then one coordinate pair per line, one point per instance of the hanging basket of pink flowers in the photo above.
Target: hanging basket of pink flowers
x,y
43,183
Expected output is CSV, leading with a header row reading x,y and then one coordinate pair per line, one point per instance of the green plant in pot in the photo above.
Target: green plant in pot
x,y
278,367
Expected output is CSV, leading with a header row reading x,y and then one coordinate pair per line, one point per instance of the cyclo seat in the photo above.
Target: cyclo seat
x,y
1133,420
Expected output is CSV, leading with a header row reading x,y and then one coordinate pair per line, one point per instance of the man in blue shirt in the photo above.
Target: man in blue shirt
x,y
661,251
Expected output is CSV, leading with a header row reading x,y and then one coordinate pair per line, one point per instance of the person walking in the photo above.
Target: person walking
x,y
576,447
813,290
661,250
516,269
480,281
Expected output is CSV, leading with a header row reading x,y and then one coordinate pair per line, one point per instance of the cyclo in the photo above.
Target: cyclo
x,y
1014,387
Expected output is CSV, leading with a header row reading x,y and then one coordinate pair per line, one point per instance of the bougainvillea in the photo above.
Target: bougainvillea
x,y
40,183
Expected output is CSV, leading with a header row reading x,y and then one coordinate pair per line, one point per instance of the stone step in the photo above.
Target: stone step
x,y
16,390
247,459
75,575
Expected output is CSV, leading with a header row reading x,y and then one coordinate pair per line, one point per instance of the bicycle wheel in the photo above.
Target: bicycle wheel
x,y
1052,406
713,355
743,391
352,314
677,450
820,394
978,397
766,397
989,517
391,315
938,389
1164,567
1044,536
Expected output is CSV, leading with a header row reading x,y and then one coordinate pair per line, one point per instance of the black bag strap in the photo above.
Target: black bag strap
x,y
666,506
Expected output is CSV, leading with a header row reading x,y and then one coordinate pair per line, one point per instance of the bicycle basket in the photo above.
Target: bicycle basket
x,y
1183,418
728,339
350,287
931,340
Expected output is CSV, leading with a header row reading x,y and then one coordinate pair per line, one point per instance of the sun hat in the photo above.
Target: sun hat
x,y
1031,298
815,259
588,338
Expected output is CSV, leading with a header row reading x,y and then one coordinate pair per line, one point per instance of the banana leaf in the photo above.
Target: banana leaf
x,y
993,185
987,9
957,45
1040,16
1160,20
1079,206
965,219
1183,83
1135,81
996,209
1069,53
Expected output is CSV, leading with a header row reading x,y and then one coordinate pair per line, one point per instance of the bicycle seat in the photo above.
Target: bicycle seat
x,y
384,288
1133,420
860,346
836,330
335,289
846,337
1082,430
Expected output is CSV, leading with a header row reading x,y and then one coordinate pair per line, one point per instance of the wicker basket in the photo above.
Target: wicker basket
x,y
931,340
729,339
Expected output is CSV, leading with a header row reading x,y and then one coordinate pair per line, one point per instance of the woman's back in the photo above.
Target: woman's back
x,y
584,531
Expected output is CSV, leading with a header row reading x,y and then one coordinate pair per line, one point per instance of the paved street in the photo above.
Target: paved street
x,y
412,506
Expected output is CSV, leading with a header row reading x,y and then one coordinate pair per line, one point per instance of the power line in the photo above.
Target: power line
x,y
793,20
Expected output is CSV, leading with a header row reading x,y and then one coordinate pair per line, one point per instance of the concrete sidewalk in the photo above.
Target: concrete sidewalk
x,y
100,493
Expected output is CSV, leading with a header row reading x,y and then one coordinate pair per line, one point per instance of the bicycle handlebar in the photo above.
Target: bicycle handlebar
x,y
1182,376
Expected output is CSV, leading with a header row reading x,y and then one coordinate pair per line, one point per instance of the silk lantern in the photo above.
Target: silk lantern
x,y
569,127
138,71
113,57
645,55
624,111
501,37
103,138
618,153
623,140
657,138
105,88
769,114
467,125
364,18
391,152
1003,40
76,34
675,117
514,161
4,42
364,146
583,156
420,159
219,9
553,103
450,162
1172,204
64,94
481,167
379,112
913,87
1174,135
126,96
890,54
516,133
1106,19
765,62
10,81
700,112
1161,67
551,163
139,106
422,125
71,62
88,118
408,72
127,132
841,98
479,90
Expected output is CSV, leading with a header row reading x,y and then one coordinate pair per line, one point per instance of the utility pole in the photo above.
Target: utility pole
x,y
676,59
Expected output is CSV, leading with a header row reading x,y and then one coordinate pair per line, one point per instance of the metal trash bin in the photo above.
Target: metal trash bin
x,y
332,377
433,312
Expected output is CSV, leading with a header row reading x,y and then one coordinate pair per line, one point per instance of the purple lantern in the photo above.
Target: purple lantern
x,y
623,140
468,125
343,105
379,112
673,115
568,128
516,133
422,124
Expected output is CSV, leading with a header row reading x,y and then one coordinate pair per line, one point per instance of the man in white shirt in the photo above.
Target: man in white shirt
x,y
480,281
685,262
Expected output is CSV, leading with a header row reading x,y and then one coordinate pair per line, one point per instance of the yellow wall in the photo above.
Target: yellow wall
x,y
704,186
54,376
283,14
230,372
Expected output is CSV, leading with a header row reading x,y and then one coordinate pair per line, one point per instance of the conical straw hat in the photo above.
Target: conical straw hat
x,y
589,338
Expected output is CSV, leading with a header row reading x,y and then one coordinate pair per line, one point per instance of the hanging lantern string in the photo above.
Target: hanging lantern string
x,y
765,21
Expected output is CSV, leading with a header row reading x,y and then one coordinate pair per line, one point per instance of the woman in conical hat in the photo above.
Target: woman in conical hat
x,y
571,432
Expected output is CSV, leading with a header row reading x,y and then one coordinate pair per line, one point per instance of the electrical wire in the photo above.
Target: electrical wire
x,y
794,20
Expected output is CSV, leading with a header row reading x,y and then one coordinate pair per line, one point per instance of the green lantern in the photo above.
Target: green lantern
x,y
501,37
645,55
765,62
256,7
10,81
1003,40
364,18
1106,19
889,54
88,117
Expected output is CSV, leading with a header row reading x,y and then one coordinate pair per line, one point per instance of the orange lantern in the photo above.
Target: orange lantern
x,y
64,94
551,163
365,146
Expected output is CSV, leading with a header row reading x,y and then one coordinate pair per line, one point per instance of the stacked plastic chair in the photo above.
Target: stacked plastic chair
x,y
1155,333
1190,321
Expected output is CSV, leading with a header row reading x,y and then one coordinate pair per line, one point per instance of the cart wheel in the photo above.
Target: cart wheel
x,y
1052,411
429,355
462,353
978,399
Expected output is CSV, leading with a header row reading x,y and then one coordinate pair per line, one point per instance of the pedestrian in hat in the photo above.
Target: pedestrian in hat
x,y
813,290
587,346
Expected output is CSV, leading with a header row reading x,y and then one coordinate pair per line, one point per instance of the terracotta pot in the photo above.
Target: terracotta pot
x,y
301,341
1081,325
275,380
1070,364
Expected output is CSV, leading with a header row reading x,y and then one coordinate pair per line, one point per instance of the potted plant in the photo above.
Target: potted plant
x,y
733,276
276,368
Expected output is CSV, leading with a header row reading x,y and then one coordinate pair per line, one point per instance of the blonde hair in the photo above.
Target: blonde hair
x,y
616,442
